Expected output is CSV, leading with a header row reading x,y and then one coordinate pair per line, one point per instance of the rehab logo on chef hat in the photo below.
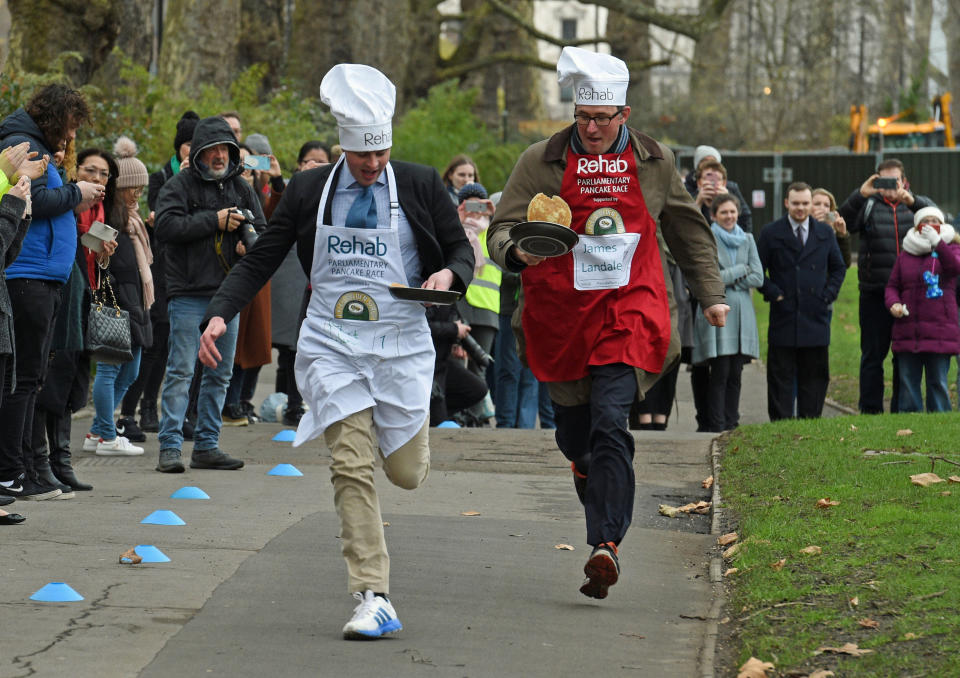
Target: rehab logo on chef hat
x,y
356,306
604,221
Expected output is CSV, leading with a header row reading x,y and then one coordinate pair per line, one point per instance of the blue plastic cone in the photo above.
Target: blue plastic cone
x,y
448,424
284,470
151,554
163,518
286,436
56,592
189,493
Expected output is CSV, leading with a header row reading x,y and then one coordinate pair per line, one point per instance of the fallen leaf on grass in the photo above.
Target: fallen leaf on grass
x,y
669,511
707,482
470,513
926,479
855,601
868,623
812,550
755,668
904,432
821,673
732,551
732,570
847,648
564,547
727,538
778,565
910,636
853,427
945,494
826,503
954,479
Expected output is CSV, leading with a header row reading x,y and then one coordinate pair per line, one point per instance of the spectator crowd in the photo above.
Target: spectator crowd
x,y
178,232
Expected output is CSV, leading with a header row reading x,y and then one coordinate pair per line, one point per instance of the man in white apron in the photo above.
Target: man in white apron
x,y
364,360
596,321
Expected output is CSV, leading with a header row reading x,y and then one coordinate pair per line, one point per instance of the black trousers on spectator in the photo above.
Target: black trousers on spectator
x,y
286,379
594,436
808,368
876,327
153,365
461,389
700,385
723,392
35,304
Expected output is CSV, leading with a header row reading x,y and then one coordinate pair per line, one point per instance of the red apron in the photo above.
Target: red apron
x,y
605,302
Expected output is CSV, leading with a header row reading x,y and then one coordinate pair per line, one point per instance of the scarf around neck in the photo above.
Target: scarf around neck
x,y
137,231
731,240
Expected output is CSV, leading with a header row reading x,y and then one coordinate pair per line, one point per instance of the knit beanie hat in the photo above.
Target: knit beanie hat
x,y
930,211
472,190
185,126
132,172
259,144
702,152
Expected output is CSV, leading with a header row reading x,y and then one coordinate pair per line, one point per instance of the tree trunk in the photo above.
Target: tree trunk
x,y
630,40
200,39
355,31
263,37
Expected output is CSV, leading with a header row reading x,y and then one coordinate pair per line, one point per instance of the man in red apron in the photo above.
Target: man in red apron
x,y
596,321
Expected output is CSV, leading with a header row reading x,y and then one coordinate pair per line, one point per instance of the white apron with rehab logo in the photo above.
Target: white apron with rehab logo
x,y
359,347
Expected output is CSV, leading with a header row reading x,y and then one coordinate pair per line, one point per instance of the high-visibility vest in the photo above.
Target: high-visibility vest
x,y
484,290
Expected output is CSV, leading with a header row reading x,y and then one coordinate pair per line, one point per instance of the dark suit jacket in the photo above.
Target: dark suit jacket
x,y
809,281
441,241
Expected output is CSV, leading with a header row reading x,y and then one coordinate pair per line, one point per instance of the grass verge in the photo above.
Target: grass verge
x,y
889,555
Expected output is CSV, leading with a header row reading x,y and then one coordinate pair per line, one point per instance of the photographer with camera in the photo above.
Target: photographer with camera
x,y
201,223
881,211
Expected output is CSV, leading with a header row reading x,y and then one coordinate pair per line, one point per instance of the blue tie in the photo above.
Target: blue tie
x,y
363,211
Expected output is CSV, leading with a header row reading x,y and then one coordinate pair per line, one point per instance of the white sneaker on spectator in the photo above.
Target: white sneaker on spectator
x,y
373,618
90,442
118,447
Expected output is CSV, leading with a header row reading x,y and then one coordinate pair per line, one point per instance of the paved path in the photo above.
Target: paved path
x,y
256,585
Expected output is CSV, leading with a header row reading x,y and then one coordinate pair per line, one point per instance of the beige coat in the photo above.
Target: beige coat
x,y
540,170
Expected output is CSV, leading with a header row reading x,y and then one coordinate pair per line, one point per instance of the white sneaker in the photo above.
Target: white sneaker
x,y
372,618
118,447
90,442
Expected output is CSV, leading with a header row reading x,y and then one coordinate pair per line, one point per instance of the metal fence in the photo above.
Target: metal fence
x,y
764,177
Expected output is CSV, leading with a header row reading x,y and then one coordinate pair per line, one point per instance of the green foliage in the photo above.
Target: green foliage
x,y
141,106
442,126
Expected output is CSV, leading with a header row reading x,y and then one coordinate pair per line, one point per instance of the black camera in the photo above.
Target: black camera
x,y
248,234
889,183
476,352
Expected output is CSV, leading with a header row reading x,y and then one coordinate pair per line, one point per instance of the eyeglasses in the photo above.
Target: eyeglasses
x,y
97,172
136,192
602,120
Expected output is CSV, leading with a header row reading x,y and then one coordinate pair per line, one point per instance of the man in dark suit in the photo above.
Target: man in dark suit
x,y
803,271
364,359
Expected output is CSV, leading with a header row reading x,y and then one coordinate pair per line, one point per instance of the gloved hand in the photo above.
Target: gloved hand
x,y
931,236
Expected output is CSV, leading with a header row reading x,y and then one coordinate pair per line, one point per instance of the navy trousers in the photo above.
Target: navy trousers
x,y
594,436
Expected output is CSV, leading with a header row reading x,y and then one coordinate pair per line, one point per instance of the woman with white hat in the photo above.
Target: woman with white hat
x,y
922,297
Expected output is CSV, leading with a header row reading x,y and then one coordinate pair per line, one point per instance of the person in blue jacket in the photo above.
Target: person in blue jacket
x,y
48,121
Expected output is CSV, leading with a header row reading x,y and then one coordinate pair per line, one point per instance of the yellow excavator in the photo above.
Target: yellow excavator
x,y
890,133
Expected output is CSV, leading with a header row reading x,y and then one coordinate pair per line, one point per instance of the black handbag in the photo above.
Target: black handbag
x,y
108,328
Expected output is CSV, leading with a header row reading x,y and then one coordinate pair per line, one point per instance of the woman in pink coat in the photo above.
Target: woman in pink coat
x,y
921,295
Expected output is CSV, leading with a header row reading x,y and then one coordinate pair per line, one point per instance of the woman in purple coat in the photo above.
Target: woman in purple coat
x,y
921,295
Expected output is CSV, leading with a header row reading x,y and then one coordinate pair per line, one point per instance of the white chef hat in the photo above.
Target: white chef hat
x,y
362,99
597,79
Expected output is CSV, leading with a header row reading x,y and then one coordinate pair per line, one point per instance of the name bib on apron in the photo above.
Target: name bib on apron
x,y
603,262
604,302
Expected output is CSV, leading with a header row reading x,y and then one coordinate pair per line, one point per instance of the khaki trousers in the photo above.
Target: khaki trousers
x,y
354,447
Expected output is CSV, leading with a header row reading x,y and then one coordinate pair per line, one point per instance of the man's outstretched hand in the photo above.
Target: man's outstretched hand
x,y
209,355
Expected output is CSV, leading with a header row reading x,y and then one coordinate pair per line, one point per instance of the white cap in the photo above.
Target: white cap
x,y
924,212
597,79
702,152
362,99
